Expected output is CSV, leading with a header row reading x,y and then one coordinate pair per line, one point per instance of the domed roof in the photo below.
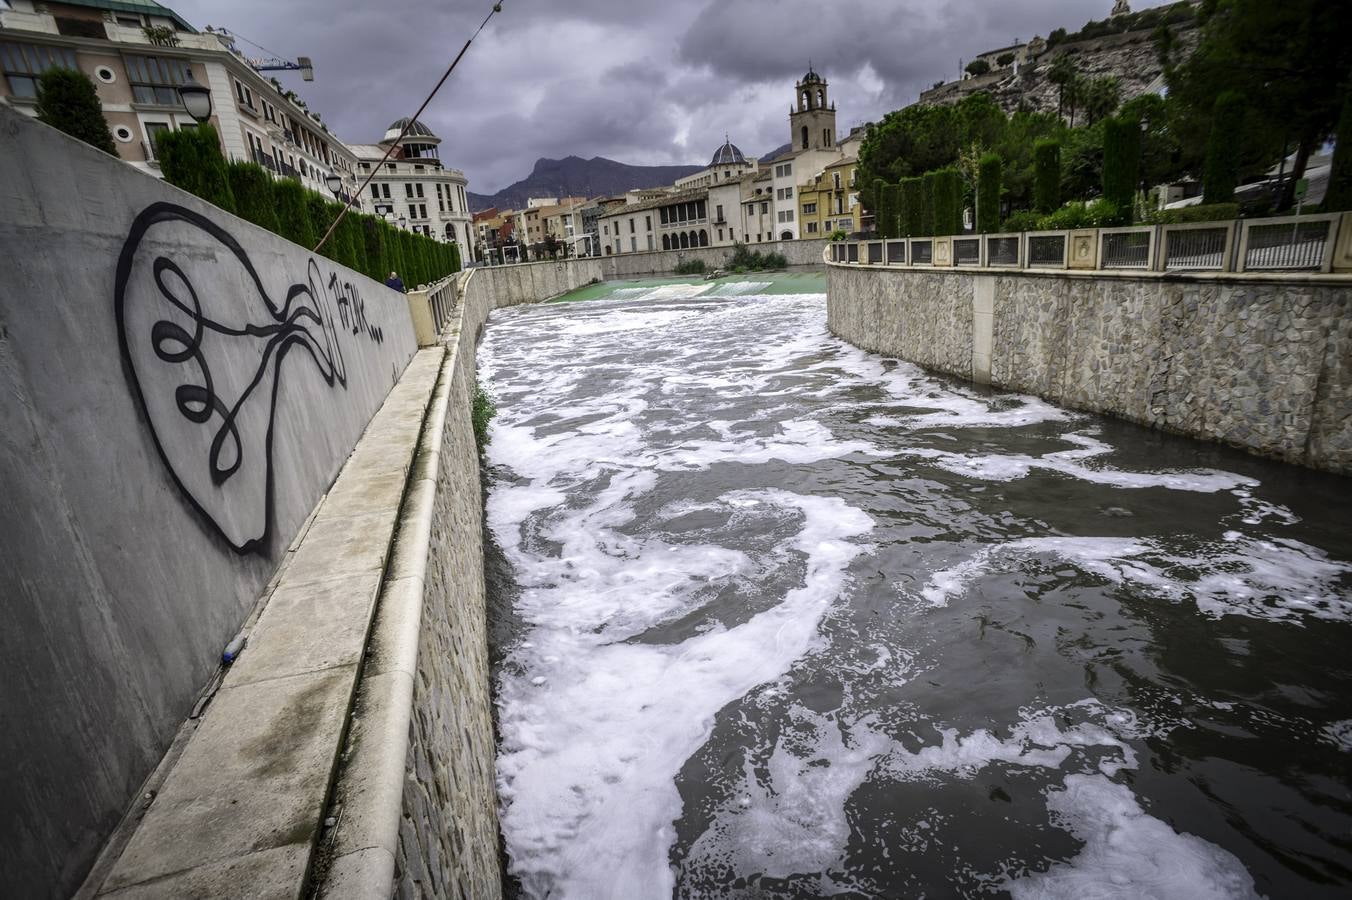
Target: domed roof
x,y
417,129
810,77
727,155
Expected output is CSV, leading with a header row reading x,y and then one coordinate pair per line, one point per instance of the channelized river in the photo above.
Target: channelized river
x,y
776,617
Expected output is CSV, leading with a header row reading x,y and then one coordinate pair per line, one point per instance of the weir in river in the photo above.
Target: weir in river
x,y
776,617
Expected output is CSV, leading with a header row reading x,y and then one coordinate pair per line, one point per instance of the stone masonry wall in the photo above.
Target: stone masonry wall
x,y
448,836
1262,363
932,327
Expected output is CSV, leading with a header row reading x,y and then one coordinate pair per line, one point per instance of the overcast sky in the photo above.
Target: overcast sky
x,y
640,81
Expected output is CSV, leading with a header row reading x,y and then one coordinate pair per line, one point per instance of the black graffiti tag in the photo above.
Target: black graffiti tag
x,y
204,360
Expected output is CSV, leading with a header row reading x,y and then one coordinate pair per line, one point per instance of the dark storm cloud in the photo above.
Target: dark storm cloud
x,y
641,81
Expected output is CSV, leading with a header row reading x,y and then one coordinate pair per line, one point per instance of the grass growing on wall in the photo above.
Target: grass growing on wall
x,y
690,267
481,413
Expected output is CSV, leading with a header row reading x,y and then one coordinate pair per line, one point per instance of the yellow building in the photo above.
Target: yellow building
x,y
830,201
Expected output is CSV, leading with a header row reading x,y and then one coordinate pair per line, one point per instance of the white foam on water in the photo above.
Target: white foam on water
x,y
1275,579
1129,854
1013,466
589,758
1339,734
737,288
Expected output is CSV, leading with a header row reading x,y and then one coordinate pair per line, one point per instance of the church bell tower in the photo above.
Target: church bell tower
x,y
812,120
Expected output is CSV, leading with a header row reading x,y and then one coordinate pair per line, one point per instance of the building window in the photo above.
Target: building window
x,y
156,80
418,188
765,208
719,210
662,214
244,95
633,244
631,227
23,63
809,208
811,227
648,224
650,242
153,132
408,191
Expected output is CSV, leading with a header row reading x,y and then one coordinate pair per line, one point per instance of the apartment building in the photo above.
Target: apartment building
x,y
410,186
138,53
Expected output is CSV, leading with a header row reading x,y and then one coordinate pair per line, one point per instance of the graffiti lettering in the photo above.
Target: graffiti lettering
x,y
352,308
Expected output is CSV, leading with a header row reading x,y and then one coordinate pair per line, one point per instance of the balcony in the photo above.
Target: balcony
x,y
265,160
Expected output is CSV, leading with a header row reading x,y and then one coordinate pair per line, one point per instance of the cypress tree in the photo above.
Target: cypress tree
x,y
875,202
927,192
176,152
989,172
394,258
455,258
352,224
1047,176
215,176
884,215
1121,162
293,214
947,188
375,249
69,102
912,207
320,218
253,192
1338,196
1220,173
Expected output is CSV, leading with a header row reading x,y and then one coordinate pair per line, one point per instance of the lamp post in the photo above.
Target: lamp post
x,y
334,181
196,99
403,222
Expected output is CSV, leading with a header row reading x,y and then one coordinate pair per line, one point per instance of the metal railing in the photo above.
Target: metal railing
x,y
1126,248
1315,243
1204,246
1047,249
1002,249
967,251
1288,243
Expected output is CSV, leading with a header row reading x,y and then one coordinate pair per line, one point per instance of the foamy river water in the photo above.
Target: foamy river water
x,y
776,617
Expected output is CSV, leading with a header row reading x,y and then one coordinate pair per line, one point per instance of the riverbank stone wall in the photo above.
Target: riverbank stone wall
x,y
1259,362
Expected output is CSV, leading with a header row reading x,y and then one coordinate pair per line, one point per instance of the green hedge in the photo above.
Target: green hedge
x,y
927,190
191,159
69,102
1212,212
989,171
1220,172
885,218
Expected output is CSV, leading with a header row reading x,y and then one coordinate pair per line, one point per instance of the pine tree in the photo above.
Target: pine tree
x,y
989,172
69,102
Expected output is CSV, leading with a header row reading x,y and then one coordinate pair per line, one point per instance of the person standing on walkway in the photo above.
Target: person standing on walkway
x,y
394,281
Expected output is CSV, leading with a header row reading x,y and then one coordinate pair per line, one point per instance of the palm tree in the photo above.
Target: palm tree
x,y
1063,74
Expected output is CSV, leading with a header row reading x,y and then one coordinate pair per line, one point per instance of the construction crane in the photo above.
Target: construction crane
x,y
301,64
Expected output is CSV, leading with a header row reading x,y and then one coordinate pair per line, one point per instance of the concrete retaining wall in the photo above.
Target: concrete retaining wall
x,y
664,262
533,282
1260,362
139,530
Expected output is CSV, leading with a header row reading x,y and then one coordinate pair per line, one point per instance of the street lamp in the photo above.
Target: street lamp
x,y
196,99
334,182
403,221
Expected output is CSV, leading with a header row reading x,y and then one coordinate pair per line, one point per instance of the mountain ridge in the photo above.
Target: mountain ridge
x,y
574,176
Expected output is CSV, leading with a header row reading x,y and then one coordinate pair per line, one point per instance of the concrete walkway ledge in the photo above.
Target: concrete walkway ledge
x,y
242,810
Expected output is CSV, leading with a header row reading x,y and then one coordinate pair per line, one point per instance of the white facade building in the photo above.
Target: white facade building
x,y
413,189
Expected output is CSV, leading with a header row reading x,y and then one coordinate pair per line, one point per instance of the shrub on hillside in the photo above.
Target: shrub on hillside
x,y
1206,212
691,267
